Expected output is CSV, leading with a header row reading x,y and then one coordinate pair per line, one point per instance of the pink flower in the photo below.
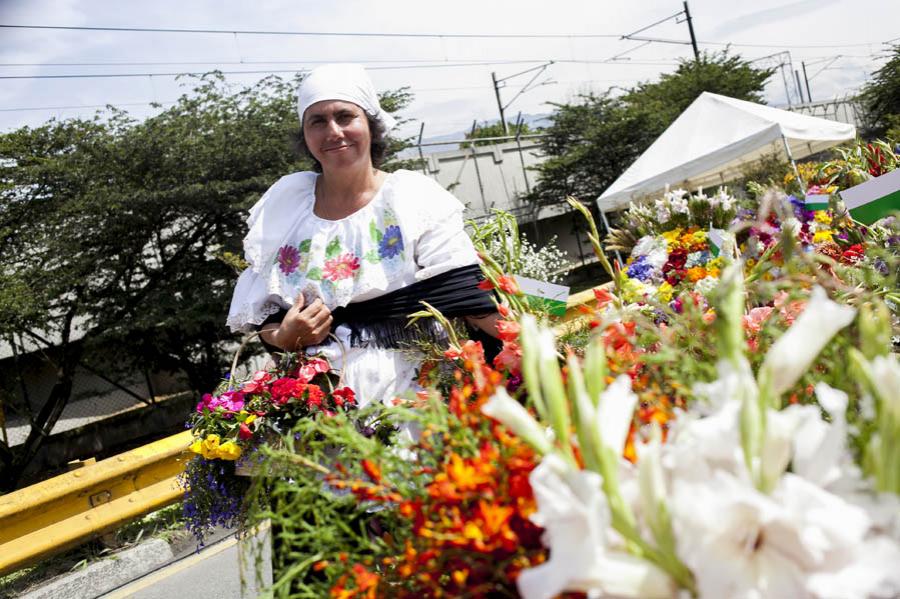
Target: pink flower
x,y
244,432
320,365
757,316
342,267
788,310
510,358
288,259
508,330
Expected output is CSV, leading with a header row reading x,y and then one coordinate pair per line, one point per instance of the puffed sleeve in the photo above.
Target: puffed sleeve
x,y
441,242
254,299
251,302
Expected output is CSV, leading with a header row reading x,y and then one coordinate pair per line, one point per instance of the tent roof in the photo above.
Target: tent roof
x,y
713,140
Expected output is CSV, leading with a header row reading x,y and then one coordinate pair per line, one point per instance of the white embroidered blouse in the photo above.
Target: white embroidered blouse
x,y
412,229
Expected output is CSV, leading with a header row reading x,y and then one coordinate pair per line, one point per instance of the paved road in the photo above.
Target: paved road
x,y
215,572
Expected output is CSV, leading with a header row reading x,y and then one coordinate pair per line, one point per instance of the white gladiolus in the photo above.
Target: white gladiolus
x,y
793,353
516,418
614,413
572,510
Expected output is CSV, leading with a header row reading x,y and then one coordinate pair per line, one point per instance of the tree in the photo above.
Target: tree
x,y
119,231
495,130
591,142
881,98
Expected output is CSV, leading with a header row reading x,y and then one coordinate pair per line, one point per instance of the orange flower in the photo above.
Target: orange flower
x,y
603,297
372,470
696,273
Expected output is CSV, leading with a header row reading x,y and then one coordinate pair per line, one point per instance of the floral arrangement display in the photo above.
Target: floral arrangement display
x,y
230,424
740,439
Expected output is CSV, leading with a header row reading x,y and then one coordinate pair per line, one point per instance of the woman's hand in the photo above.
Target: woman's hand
x,y
302,326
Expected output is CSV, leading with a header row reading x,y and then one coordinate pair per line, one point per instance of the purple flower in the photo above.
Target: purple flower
x,y
288,259
392,242
640,269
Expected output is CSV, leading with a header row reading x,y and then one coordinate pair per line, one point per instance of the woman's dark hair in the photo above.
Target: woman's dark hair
x,y
377,150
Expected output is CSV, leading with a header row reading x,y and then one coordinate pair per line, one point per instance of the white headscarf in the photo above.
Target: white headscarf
x,y
347,82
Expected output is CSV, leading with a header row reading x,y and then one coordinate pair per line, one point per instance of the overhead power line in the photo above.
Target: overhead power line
x,y
410,35
316,33
293,71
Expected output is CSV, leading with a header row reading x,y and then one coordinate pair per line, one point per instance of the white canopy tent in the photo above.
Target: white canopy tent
x,y
713,140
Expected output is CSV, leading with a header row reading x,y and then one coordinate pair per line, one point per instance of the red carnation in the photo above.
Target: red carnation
x,y
344,396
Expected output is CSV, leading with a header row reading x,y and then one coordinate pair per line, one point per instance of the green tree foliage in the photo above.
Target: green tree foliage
x,y
123,233
881,98
496,130
593,140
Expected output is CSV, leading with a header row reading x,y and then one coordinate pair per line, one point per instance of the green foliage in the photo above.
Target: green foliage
x,y
592,141
881,98
496,130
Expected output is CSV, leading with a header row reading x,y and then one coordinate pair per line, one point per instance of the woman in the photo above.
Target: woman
x,y
352,250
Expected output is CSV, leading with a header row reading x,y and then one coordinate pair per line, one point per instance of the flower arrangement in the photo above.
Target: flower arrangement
x,y
714,510
230,424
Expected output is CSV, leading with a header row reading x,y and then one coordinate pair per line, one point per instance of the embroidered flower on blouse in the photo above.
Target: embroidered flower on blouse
x,y
288,259
342,267
392,242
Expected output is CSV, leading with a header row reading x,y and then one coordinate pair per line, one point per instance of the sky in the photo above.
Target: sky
x,y
840,43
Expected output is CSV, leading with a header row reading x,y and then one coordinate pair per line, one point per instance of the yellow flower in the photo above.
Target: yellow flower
x,y
210,447
229,450
822,236
250,419
716,263
196,446
822,216
664,292
712,271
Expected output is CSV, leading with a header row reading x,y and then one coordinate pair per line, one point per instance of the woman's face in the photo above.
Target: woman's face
x,y
337,134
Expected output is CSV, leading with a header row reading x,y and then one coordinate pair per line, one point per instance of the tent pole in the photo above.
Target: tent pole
x,y
787,149
606,224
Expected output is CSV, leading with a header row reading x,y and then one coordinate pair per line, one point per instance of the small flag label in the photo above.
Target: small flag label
x,y
717,239
816,202
544,296
874,199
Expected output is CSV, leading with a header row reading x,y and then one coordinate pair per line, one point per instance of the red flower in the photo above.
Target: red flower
x,y
503,310
372,470
343,396
508,284
508,330
244,432
314,397
452,353
342,267
287,388
603,297
486,285
509,358
853,254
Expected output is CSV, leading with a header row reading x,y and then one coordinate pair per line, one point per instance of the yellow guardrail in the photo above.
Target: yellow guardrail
x,y
64,511
68,509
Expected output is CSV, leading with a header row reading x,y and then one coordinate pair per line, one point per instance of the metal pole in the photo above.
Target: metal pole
x,y
687,16
521,156
787,149
799,87
805,78
787,92
477,170
499,103
421,155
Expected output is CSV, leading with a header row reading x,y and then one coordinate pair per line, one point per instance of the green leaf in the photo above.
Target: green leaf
x,y
314,274
374,232
333,248
372,256
304,246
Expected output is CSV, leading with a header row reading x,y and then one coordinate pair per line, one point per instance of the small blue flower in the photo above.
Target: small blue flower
x,y
392,242
640,269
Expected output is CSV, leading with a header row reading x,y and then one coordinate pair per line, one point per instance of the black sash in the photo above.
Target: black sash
x,y
381,322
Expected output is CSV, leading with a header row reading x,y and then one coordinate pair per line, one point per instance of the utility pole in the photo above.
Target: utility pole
x,y
805,78
799,87
499,102
687,17
528,86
